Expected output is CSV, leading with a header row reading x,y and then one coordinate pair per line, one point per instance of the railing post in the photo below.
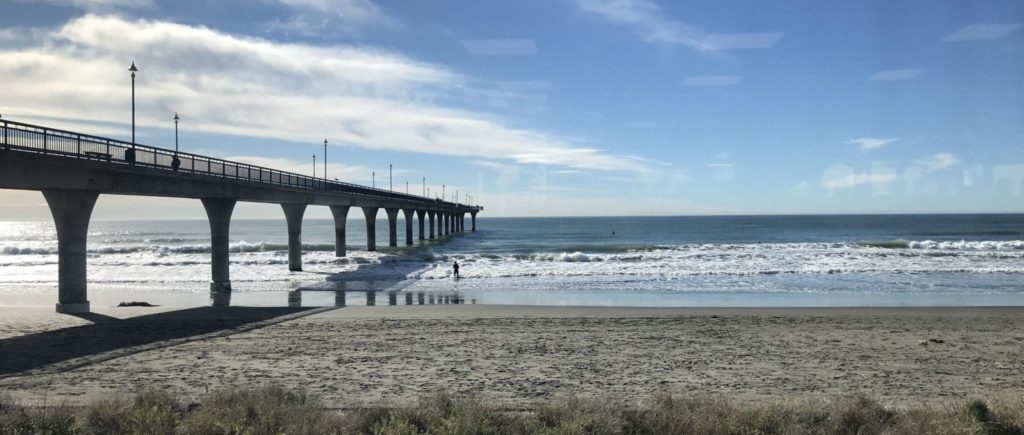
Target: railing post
x,y
7,145
44,141
79,145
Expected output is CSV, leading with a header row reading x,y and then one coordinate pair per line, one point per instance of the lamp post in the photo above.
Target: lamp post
x,y
374,174
325,159
314,166
442,193
175,163
406,187
456,196
424,186
391,180
133,70
176,119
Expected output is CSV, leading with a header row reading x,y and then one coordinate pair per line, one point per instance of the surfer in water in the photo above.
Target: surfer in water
x,y
455,267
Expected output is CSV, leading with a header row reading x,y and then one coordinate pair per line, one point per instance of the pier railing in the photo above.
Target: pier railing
x,y
20,136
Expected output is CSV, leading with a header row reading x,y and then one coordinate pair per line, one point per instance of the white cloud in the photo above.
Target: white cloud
x,y
937,162
741,41
646,19
344,173
870,143
500,47
838,177
896,74
982,32
228,84
711,80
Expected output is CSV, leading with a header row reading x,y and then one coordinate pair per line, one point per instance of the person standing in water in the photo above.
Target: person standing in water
x,y
456,268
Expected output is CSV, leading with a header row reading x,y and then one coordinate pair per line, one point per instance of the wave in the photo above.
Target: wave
x,y
961,245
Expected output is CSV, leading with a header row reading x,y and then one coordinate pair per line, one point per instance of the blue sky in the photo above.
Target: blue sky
x,y
554,107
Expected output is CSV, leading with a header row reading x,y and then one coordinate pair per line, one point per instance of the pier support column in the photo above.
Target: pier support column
x,y
293,215
371,227
420,214
430,216
462,222
392,226
219,210
445,229
472,216
71,210
409,217
340,213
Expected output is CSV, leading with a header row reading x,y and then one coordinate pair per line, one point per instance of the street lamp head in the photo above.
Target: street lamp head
x,y
325,142
133,69
176,118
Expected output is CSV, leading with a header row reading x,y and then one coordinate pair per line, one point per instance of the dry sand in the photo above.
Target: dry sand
x,y
514,355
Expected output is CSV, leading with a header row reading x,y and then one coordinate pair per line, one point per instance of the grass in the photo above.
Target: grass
x,y
276,410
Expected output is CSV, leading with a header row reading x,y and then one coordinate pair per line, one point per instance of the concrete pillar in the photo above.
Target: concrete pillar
x,y
419,298
339,298
392,226
408,298
430,216
472,216
371,298
71,210
218,210
293,215
420,214
371,227
340,213
392,298
462,222
294,299
444,224
409,217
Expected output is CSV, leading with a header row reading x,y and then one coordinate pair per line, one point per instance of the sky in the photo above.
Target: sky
x,y
548,107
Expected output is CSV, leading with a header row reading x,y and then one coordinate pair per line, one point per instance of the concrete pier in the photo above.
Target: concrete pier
x,y
392,226
430,216
71,210
340,213
218,211
293,215
472,216
370,213
74,174
409,217
420,214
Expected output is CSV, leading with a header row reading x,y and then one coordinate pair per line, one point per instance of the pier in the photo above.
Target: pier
x,y
72,169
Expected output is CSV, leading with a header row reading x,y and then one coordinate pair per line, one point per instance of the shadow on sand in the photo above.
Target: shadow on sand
x,y
107,334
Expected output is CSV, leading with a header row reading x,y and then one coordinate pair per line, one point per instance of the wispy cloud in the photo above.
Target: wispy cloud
x,y
741,41
99,5
722,171
871,143
937,162
500,47
847,181
326,17
236,85
896,74
711,80
647,20
653,25
982,32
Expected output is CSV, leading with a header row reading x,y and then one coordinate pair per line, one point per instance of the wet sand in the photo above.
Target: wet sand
x,y
514,355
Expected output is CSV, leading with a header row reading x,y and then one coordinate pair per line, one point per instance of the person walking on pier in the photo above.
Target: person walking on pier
x,y
455,267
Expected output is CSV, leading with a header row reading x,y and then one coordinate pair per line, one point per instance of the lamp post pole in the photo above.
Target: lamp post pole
x,y
374,174
133,70
325,160
176,118
391,180
406,187
442,193
314,166
424,186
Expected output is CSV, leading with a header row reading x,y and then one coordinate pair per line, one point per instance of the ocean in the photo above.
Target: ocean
x,y
836,260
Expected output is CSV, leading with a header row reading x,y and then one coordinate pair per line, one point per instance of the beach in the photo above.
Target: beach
x,y
512,356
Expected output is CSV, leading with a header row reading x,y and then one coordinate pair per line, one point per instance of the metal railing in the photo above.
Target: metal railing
x,y
20,136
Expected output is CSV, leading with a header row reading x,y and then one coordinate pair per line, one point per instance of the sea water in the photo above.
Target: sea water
x,y
848,260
